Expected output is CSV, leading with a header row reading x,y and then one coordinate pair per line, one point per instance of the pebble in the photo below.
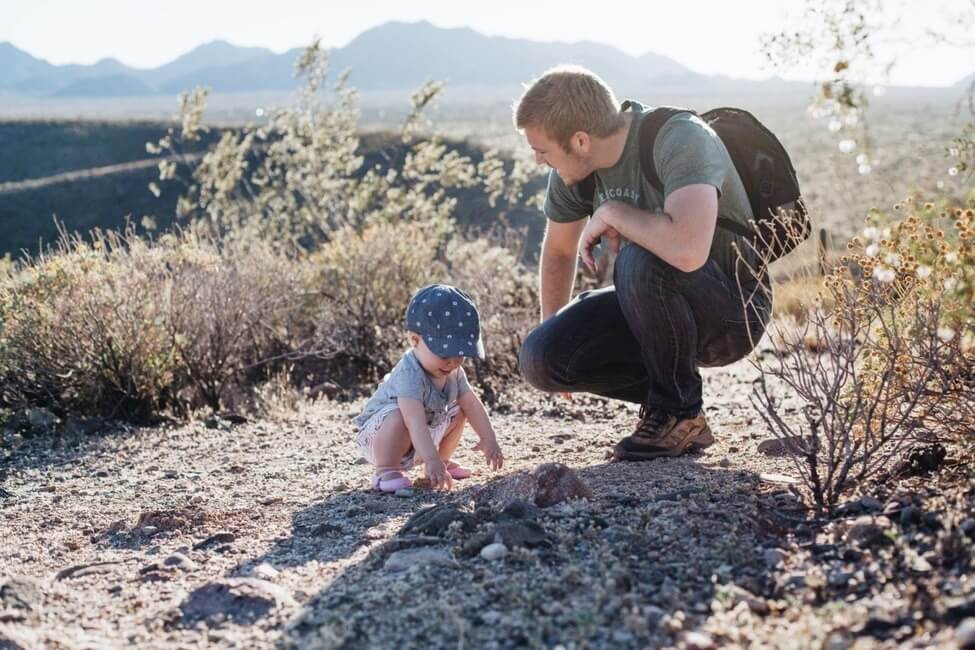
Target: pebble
x,y
181,561
149,530
405,493
910,515
871,503
773,557
266,571
494,551
838,578
968,527
965,633
698,641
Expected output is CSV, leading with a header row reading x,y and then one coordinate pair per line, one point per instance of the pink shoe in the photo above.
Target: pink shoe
x,y
458,472
390,481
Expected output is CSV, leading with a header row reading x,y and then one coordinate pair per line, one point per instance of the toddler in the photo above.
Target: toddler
x,y
421,406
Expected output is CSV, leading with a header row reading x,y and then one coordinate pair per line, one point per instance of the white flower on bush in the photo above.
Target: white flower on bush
x,y
884,274
872,250
835,125
846,146
951,258
923,271
893,259
870,233
946,334
951,284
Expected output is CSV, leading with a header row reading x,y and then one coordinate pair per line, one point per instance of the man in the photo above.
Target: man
x,y
682,296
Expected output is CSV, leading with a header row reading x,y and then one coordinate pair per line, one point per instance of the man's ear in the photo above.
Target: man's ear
x,y
581,142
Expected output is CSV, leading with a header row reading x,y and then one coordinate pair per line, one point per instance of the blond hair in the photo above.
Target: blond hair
x,y
567,99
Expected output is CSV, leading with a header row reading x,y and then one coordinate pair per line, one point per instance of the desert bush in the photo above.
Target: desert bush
x,y
895,329
364,280
294,263
129,328
506,297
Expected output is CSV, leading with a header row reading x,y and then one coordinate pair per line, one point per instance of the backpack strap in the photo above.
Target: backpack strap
x,y
649,127
652,124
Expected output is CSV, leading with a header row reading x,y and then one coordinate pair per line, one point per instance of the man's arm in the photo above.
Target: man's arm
x,y
557,268
680,236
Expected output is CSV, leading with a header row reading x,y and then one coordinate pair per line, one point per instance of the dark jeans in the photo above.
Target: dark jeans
x,y
644,339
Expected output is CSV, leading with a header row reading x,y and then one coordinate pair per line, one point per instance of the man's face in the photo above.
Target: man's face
x,y
572,166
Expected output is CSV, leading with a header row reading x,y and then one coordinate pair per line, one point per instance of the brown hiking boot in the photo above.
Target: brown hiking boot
x,y
661,435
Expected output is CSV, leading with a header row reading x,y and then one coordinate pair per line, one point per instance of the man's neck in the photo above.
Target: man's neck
x,y
608,151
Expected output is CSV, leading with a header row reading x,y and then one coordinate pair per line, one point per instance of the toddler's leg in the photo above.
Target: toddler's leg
x,y
451,437
391,443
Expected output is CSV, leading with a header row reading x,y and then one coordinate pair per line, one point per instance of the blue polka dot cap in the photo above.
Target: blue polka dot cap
x,y
447,320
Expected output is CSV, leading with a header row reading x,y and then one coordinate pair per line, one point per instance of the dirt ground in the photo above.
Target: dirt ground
x,y
265,534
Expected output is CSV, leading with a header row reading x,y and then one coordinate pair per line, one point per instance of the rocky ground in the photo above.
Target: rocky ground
x,y
264,534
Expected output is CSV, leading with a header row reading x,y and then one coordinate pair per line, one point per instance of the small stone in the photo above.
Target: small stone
x,y
149,530
838,578
968,527
181,561
910,515
494,551
423,556
266,571
965,634
405,493
436,521
41,419
871,504
866,532
215,539
622,636
774,557
698,641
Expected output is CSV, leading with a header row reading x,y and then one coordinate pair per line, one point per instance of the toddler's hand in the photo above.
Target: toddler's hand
x,y
436,471
492,453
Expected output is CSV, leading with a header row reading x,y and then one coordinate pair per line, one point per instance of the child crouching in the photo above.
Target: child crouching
x,y
422,405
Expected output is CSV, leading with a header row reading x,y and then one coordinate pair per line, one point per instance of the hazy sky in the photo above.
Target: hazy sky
x,y
710,36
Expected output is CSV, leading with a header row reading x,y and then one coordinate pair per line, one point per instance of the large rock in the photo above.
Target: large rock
x,y
546,485
436,521
238,600
20,600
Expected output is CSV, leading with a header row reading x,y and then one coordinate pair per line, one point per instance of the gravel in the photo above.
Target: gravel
x,y
265,534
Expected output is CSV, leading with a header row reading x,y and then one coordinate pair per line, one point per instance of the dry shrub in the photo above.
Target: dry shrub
x,y
228,314
128,328
506,297
365,280
81,330
895,333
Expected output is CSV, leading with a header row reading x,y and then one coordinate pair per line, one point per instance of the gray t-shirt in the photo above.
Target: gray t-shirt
x,y
686,152
409,379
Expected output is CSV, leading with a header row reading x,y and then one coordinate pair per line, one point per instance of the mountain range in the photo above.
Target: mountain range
x,y
391,57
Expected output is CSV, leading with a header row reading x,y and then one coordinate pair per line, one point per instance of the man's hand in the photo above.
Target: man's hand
x,y
595,230
492,453
436,471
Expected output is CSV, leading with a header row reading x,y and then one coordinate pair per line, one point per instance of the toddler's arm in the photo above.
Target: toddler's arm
x,y
416,424
471,404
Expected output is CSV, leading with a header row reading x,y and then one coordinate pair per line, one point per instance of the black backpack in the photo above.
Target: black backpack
x,y
765,170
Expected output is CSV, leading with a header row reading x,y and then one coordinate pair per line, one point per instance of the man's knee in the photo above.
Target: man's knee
x,y
534,361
